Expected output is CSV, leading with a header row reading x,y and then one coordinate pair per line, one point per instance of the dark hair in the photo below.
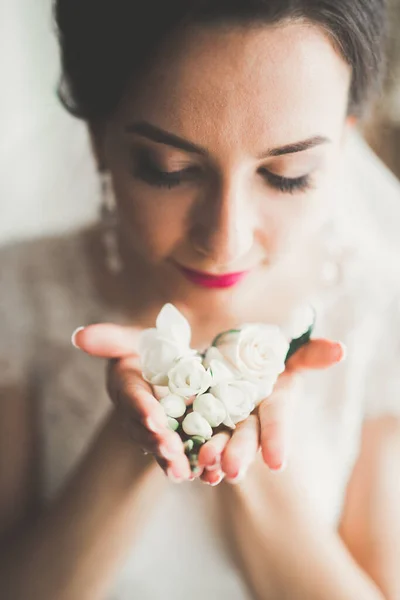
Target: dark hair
x,y
106,43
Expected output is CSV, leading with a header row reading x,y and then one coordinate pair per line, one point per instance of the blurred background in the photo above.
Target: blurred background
x,y
47,177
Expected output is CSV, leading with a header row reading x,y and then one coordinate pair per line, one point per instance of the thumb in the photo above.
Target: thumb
x,y
106,340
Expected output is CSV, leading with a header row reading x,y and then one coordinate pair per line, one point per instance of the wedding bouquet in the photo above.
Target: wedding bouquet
x,y
204,392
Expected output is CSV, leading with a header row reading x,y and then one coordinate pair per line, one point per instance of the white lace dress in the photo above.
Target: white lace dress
x,y
47,291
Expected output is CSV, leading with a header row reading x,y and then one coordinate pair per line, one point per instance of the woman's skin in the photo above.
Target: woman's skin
x,y
237,93
265,90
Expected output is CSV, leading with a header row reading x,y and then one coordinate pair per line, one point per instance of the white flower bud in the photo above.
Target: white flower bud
x,y
173,405
189,377
195,424
238,397
211,408
173,424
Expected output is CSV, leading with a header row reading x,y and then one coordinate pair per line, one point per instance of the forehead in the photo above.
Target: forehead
x,y
218,85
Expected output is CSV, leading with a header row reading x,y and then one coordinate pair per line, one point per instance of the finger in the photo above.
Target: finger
x,y
133,395
162,446
129,391
106,340
316,354
212,477
211,452
241,449
276,415
178,472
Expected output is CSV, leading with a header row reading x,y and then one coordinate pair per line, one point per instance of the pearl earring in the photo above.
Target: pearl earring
x,y
109,219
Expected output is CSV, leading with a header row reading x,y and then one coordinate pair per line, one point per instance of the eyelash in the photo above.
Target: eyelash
x,y
147,172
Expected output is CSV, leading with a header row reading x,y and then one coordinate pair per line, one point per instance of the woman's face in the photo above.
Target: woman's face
x,y
223,158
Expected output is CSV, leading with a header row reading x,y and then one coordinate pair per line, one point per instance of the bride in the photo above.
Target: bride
x,y
234,188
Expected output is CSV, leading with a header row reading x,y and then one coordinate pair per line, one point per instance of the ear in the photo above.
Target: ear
x,y
96,137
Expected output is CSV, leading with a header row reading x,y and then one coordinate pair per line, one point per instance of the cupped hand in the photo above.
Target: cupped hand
x,y
143,416
229,455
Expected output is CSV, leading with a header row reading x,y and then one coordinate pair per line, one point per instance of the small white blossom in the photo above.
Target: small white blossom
x,y
195,424
173,405
189,377
211,408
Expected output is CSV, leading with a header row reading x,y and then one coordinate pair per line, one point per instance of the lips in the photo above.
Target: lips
x,y
213,281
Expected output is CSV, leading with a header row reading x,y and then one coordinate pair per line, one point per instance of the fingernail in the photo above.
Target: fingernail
x,y
174,478
168,452
275,452
279,468
73,337
214,483
165,453
341,351
237,478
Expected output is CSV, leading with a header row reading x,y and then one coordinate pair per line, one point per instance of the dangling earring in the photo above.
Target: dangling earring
x,y
109,220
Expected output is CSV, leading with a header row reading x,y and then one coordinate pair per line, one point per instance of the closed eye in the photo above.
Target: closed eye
x,y
287,185
147,171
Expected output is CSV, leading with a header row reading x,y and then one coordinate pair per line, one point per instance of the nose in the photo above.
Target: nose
x,y
223,228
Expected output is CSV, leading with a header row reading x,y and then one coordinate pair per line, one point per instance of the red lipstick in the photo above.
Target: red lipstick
x,y
213,281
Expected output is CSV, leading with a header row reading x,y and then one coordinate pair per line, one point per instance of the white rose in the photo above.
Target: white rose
x,y
299,322
255,351
189,377
195,424
161,346
239,398
173,405
211,408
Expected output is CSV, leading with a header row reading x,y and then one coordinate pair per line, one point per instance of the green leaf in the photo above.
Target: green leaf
x,y
301,341
215,340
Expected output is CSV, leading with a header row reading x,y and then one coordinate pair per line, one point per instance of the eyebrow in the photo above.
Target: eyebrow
x,y
160,136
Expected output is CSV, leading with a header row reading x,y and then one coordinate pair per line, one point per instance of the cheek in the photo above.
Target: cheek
x,y
153,223
289,220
